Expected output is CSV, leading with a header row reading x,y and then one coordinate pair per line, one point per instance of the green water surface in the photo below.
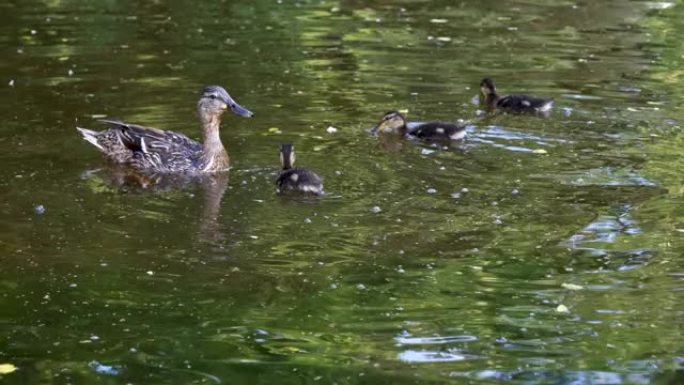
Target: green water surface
x,y
538,251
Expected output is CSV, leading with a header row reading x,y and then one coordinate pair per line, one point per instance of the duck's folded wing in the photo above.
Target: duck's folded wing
x,y
150,139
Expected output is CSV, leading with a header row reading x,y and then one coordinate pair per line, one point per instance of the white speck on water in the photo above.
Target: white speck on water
x,y
456,195
94,338
562,309
72,285
331,130
333,286
307,220
150,272
497,221
334,9
376,209
401,270
515,191
33,32
431,191
11,83
133,350
495,203
338,172
361,286
39,209
444,39
426,151
439,21
464,190
254,237
71,72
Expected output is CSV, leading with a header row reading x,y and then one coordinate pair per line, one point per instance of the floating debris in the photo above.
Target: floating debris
x,y
11,83
39,209
562,309
7,368
572,286
376,209
331,130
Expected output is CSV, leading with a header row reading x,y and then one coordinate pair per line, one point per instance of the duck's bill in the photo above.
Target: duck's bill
x,y
236,108
239,110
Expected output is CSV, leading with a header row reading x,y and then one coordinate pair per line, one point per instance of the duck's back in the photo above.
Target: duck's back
x,y
524,103
439,131
152,148
299,179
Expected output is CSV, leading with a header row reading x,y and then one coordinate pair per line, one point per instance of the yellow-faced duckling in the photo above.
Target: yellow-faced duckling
x,y
160,151
296,179
512,103
394,122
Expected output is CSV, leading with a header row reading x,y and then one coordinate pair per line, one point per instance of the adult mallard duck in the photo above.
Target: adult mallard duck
x,y
394,122
512,103
153,150
296,179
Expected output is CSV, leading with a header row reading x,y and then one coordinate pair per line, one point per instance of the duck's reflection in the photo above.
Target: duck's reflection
x,y
212,189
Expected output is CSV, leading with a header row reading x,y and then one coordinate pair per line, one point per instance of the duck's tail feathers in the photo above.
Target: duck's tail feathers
x,y
90,136
547,106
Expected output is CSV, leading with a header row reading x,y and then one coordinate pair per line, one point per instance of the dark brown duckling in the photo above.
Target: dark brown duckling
x,y
296,179
394,122
517,103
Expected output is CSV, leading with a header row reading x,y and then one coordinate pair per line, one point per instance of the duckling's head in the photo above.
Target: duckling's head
x,y
287,155
392,122
215,100
487,87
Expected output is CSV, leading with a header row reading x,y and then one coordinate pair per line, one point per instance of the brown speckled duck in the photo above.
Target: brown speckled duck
x,y
160,151
296,179
394,122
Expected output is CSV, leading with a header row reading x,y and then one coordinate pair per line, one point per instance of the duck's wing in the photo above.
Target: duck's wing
x,y
439,131
524,103
150,139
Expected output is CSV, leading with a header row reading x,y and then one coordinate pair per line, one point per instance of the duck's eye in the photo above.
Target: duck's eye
x,y
212,96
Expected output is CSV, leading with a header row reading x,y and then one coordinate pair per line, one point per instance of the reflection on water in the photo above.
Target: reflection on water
x,y
536,251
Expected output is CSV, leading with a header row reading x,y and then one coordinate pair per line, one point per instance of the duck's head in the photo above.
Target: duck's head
x,y
287,155
215,100
487,87
392,122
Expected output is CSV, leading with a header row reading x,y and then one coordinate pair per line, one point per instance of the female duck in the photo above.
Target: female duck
x,y
296,179
512,103
395,123
153,150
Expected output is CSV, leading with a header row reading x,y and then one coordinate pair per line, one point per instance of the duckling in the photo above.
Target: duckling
x,y
296,179
153,150
394,122
512,103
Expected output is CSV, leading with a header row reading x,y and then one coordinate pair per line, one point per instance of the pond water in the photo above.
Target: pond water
x,y
538,251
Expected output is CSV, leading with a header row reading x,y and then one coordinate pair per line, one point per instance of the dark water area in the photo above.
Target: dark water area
x,y
537,251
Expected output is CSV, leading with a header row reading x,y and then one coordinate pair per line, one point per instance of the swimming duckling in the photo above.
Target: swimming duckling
x,y
512,103
296,179
394,122
160,151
